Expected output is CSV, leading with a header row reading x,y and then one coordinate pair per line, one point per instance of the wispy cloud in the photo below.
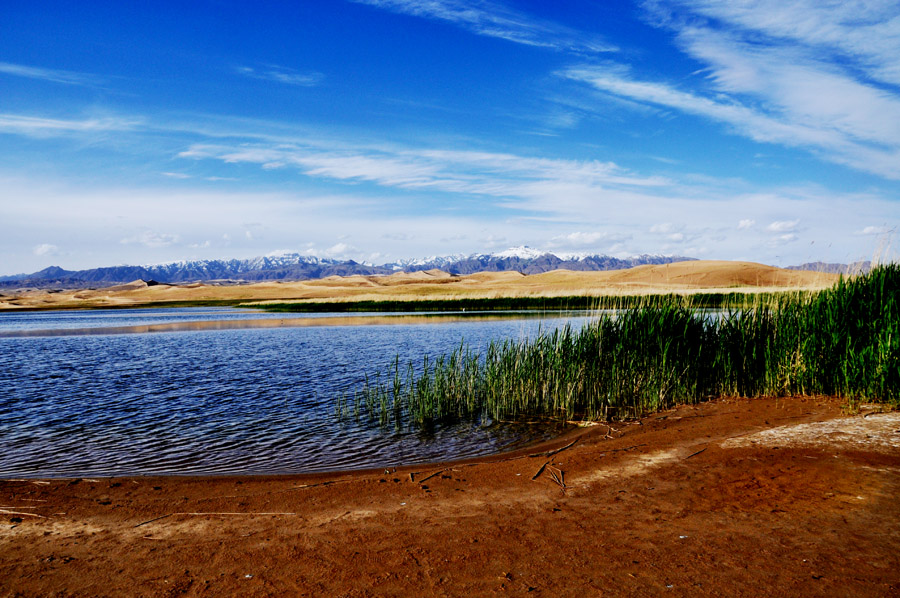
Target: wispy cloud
x,y
52,75
46,249
35,126
801,74
874,230
592,241
152,239
859,135
868,33
460,198
783,226
493,19
281,74
515,181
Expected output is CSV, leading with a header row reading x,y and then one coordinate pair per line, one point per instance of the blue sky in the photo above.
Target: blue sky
x,y
135,133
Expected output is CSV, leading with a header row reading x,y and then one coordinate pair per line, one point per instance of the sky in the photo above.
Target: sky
x,y
377,130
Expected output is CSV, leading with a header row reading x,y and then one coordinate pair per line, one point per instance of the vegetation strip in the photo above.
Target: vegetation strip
x,y
843,341
575,302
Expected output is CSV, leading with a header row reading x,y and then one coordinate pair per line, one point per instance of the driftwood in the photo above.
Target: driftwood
x,y
553,452
5,512
428,477
540,471
695,454
152,520
558,476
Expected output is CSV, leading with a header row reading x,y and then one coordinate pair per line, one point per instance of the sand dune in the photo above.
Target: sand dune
x,y
682,277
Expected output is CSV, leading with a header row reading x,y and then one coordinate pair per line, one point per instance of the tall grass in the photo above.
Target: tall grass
x,y
699,300
841,341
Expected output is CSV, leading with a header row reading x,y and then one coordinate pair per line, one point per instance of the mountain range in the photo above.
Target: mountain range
x,y
296,266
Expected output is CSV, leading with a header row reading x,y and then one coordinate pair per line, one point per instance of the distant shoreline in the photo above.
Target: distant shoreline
x,y
708,283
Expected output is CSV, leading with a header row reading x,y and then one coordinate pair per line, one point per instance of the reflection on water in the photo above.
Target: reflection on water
x,y
293,320
204,400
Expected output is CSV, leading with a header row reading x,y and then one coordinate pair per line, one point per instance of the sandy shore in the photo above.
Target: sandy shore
x,y
732,498
705,276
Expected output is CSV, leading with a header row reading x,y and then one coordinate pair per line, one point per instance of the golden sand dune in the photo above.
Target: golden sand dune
x,y
682,277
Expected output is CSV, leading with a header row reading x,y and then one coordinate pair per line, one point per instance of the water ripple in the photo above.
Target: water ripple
x,y
242,401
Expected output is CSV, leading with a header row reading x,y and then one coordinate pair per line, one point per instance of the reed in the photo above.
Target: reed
x,y
627,362
699,300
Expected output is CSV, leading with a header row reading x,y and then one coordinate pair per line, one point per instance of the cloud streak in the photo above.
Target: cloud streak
x,y
51,75
809,75
280,74
868,33
35,126
860,135
495,20
520,182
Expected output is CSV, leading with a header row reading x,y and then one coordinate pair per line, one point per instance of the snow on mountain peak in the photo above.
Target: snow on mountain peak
x,y
522,252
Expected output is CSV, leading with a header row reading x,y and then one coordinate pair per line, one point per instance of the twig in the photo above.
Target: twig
x,y
328,483
540,471
559,478
5,512
553,452
695,454
628,448
152,520
433,474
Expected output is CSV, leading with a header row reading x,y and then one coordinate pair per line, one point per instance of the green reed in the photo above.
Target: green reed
x,y
842,341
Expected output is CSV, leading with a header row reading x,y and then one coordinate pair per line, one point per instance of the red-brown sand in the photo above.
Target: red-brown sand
x,y
736,497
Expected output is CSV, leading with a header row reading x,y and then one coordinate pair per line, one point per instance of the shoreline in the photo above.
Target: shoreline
x,y
734,496
710,277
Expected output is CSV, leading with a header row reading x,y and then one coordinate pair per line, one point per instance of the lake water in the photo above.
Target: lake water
x,y
142,398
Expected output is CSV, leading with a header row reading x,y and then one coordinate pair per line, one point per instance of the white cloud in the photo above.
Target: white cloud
x,y
539,184
783,240
663,228
105,216
338,251
835,129
579,238
493,19
782,226
281,74
746,224
46,249
151,239
866,32
874,230
801,74
42,127
52,75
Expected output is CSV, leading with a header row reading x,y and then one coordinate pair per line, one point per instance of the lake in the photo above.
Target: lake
x,y
152,392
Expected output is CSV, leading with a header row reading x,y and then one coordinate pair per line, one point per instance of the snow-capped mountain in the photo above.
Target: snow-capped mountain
x,y
522,252
298,266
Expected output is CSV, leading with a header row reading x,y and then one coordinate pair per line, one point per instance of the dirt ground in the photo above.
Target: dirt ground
x,y
736,497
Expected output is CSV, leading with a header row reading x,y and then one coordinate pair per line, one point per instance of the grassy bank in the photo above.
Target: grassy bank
x,y
698,300
842,341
